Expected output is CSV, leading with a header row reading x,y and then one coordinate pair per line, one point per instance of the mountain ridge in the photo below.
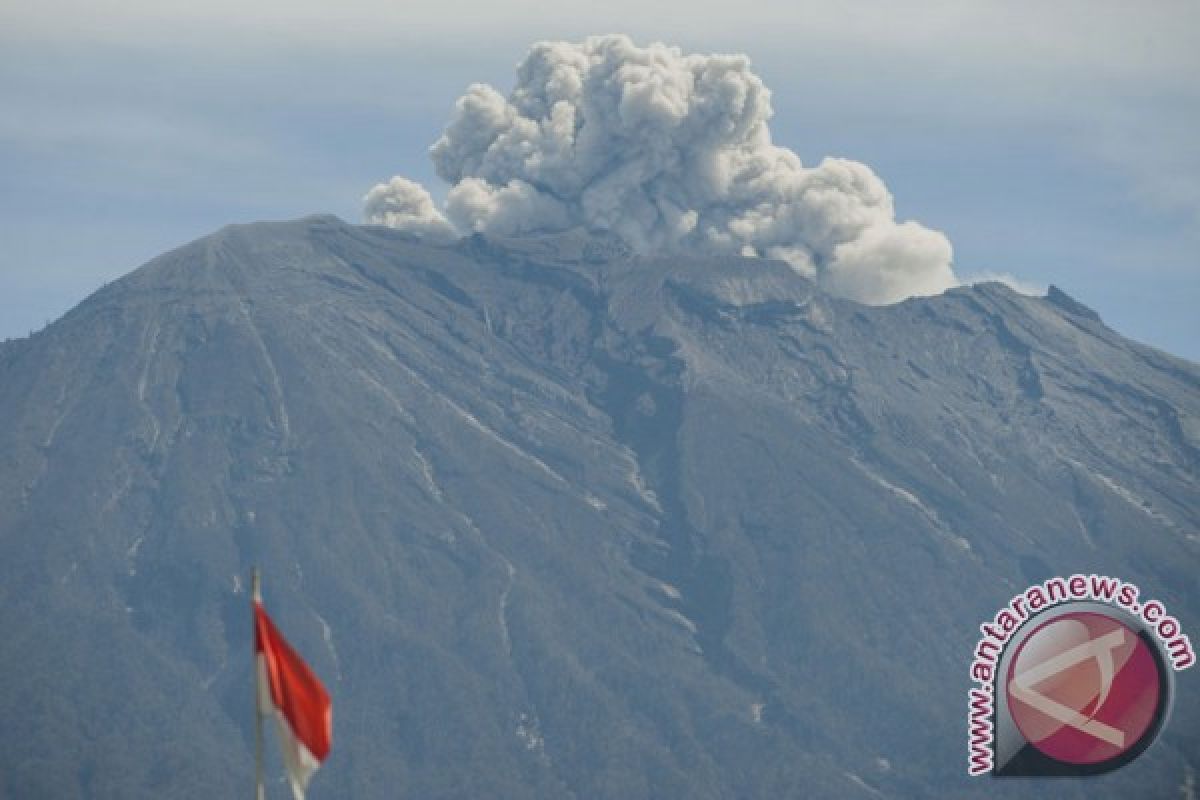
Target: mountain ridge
x,y
557,521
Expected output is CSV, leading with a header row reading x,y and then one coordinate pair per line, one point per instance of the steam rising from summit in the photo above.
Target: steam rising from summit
x,y
673,153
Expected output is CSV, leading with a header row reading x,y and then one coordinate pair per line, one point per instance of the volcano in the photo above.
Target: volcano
x,y
553,520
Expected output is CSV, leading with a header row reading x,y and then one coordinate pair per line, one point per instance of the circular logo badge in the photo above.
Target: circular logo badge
x,y
1085,689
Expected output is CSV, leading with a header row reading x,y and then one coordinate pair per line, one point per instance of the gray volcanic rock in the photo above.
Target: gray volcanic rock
x,y
552,521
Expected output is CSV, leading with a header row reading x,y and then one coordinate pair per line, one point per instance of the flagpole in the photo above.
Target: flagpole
x,y
260,789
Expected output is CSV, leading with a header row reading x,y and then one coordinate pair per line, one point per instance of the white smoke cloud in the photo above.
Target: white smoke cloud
x,y
407,206
672,152
1018,285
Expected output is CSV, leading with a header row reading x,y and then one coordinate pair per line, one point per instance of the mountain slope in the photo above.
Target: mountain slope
x,y
552,521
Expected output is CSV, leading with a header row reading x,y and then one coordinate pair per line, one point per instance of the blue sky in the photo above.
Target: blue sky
x,y
1051,142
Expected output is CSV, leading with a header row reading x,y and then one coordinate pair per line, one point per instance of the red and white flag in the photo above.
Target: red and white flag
x,y
289,690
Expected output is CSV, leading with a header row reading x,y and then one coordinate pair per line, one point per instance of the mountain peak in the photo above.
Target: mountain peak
x,y
1061,299
615,527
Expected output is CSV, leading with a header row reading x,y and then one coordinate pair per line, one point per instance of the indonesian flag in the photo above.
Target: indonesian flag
x,y
289,691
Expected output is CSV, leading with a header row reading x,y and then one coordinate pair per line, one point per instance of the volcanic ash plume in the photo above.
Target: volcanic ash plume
x,y
673,153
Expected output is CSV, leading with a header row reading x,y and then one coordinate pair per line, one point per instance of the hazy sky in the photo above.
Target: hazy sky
x,y
1052,141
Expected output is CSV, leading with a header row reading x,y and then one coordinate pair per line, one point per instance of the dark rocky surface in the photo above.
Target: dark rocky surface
x,y
554,522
